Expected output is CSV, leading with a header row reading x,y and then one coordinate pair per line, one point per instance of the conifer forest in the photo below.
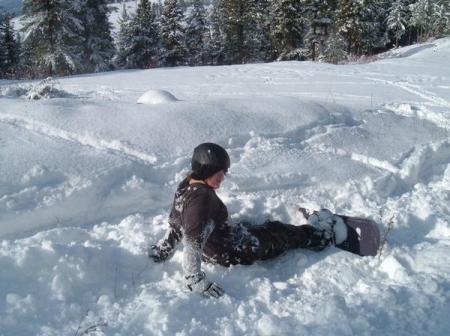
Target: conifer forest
x,y
65,37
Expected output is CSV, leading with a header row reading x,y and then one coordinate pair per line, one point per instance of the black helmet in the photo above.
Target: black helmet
x,y
208,159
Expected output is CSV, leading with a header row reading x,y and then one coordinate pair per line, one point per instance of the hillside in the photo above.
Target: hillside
x,y
88,175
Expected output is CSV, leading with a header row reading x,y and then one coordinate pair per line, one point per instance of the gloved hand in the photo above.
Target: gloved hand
x,y
213,290
199,283
158,253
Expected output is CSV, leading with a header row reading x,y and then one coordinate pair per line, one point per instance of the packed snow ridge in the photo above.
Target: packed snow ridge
x,y
87,180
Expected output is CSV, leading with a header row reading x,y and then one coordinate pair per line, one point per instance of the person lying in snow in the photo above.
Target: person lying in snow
x,y
200,219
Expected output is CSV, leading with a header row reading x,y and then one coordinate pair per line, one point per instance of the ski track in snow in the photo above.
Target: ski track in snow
x,y
364,159
421,165
416,90
83,140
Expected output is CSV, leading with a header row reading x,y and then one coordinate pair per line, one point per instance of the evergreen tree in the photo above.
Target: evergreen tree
x,y
172,33
373,23
98,47
410,35
51,32
288,27
335,49
421,15
362,24
123,38
25,66
138,38
238,24
157,9
319,14
440,18
397,20
196,34
9,49
259,42
145,32
349,23
3,18
215,42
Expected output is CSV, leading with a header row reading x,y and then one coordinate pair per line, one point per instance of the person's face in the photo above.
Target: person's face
x,y
215,180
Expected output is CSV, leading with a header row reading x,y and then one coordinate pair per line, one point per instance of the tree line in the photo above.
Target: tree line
x,y
64,37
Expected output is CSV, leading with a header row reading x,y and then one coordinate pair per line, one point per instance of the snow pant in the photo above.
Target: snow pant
x,y
270,240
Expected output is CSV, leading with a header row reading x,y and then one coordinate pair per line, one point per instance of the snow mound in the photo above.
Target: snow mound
x,y
155,97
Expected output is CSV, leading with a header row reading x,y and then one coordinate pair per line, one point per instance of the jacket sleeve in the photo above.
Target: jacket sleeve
x,y
166,246
198,225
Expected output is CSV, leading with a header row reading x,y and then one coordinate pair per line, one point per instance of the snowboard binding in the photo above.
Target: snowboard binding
x,y
353,234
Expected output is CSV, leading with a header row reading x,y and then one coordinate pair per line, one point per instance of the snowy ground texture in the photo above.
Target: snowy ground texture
x,y
87,178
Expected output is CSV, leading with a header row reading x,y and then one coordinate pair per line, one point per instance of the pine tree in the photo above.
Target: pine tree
x,y
196,34
288,27
335,49
9,50
123,39
349,23
51,33
240,27
157,9
440,18
361,23
397,20
259,42
138,38
319,14
215,41
2,47
421,14
145,41
25,68
373,23
98,47
172,33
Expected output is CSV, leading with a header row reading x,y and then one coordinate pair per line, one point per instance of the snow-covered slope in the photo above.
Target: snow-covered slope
x,y
87,180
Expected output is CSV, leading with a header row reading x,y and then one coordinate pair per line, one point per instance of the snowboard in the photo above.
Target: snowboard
x,y
363,235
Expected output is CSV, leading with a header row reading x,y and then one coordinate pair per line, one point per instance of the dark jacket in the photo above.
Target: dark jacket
x,y
200,218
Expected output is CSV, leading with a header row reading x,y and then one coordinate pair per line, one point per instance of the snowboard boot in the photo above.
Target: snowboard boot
x,y
333,227
319,240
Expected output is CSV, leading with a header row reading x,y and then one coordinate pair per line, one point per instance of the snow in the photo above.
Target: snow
x,y
155,97
325,220
87,180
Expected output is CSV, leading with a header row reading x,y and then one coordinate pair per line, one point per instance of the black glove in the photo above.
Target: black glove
x,y
213,290
158,253
199,283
